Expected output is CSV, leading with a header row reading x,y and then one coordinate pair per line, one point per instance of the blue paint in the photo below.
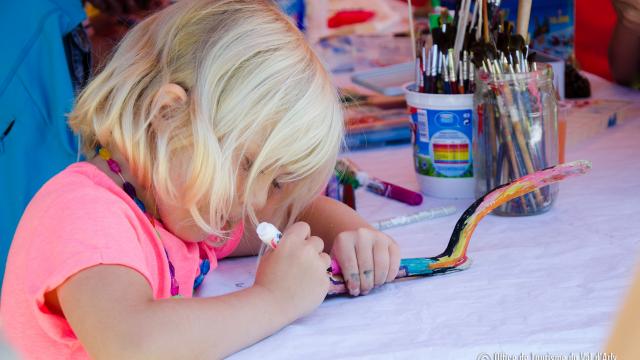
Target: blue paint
x,y
416,266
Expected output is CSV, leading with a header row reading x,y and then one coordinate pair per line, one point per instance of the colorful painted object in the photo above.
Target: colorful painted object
x,y
454,257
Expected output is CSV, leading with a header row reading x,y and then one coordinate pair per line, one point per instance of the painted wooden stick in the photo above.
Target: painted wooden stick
x,y
454,257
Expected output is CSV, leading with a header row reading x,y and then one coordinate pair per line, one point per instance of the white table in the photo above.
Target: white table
x,y
547,284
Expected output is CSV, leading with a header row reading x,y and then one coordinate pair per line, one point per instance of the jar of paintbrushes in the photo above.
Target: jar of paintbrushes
x,y
515,130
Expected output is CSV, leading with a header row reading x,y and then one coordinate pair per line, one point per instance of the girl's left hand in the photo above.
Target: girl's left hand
x,y
367,258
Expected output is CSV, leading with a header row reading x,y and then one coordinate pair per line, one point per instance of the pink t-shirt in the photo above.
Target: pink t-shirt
x,y
79,219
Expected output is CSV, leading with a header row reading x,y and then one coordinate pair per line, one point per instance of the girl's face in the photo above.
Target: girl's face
x,y
266,197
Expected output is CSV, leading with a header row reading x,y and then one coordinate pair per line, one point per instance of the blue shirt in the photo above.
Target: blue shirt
x,y
36,94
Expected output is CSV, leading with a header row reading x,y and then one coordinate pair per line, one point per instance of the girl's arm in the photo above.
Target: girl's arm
x,y
112,311
626,331
624,46
328,218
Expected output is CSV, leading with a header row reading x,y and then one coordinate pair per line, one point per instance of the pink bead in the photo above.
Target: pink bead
x,y
175,288
113,165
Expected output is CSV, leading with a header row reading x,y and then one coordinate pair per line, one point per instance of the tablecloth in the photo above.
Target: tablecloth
x,y
545,285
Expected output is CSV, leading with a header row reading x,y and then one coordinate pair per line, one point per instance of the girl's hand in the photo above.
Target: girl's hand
x,y
296,272
367,258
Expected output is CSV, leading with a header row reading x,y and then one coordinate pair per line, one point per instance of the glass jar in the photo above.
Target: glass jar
x,y
515,134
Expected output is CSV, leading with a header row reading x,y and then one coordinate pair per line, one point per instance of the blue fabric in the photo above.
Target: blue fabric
x,y
35,91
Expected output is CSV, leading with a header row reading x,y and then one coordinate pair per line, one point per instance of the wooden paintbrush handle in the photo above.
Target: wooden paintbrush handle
x,y
524,12
485,22
524,149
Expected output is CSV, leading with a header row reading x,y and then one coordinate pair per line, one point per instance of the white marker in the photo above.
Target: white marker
x,y
413,218
269,234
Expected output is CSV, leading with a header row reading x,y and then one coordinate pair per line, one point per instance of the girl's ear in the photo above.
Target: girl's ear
x,y
168,96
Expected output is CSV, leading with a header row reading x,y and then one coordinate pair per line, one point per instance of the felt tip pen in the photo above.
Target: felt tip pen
x,y
271,236
390,190
377,186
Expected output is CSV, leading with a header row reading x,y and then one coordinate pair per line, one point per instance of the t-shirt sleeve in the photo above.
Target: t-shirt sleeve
x,y
71,233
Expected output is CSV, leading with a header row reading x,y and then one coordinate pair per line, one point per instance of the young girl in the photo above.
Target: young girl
x,y
211,115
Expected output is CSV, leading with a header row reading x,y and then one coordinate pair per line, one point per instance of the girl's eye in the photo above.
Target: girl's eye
x,y
275,184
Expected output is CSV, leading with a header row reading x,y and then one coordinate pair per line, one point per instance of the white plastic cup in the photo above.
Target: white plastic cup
x,y
442,143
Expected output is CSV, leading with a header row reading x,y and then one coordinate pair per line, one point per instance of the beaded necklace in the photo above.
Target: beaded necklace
x,y
205,265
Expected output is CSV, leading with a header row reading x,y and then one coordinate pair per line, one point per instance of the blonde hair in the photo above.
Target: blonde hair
x,y
251,81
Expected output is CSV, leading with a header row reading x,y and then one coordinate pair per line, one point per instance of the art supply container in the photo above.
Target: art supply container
x,y
515,134
442,143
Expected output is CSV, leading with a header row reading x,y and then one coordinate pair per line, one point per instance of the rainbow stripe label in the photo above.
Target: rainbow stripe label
x,y
443,142
455,153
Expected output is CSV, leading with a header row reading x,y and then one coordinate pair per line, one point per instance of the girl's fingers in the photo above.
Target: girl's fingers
x,y
364,254
345,254
394,261
326,260
299,231
316,243
381,262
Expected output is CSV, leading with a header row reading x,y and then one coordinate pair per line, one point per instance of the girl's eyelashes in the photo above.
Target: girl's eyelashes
x,y
246,165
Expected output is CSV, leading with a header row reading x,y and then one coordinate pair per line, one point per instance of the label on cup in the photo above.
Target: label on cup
x,y
442,142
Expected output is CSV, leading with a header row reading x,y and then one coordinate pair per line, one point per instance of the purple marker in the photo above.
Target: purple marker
x,y
393,191
378,186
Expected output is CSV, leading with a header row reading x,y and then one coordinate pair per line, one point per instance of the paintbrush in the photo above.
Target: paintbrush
x,y
451,71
